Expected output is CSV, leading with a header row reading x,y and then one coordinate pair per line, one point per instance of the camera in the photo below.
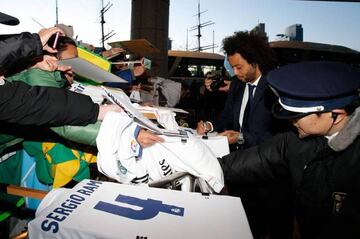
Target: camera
x,y
217,83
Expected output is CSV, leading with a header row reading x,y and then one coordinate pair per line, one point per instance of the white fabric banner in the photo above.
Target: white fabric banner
x,y
94,209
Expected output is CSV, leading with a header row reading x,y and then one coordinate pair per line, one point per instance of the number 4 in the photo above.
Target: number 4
x,y
150,208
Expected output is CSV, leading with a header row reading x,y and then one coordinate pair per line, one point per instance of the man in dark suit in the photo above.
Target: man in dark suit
x,y
247,121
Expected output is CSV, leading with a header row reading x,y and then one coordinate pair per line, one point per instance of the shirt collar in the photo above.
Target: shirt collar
x,y
256,82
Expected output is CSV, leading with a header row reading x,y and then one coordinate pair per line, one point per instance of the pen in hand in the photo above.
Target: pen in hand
x,y
205,130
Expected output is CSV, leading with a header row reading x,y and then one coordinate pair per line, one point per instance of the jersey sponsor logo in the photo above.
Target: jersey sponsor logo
x,y
165,168
150,208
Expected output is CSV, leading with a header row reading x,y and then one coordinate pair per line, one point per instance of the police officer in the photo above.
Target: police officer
x,y
321,159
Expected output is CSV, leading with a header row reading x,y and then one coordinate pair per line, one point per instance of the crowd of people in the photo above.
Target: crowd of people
x,y
293,130
39,113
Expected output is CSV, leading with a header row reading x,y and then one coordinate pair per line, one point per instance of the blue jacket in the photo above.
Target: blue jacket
x,y
262,124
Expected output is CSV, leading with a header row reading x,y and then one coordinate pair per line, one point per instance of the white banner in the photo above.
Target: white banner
x,y
94,209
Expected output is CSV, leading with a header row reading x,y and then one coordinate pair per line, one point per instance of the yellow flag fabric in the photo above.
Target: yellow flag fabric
x,y
58,164
94,58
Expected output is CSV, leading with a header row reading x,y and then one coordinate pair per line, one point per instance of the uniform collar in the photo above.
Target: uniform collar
x,y
347,135
330,137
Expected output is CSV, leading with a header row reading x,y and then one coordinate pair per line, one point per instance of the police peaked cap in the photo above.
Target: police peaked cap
x,y
310,87
8,20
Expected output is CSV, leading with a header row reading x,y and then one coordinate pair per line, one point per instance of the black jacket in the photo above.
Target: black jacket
x,y
32,105
325,180
18,50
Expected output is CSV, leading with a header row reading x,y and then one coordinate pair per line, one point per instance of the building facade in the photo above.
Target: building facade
x,y
294,32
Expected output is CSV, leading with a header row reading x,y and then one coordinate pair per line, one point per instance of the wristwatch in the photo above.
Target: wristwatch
x,y
240,139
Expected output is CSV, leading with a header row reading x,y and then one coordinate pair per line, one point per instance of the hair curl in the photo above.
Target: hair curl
x,y
253,47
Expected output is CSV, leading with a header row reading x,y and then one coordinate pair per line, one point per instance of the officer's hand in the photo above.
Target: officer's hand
x,y
146,138
232,136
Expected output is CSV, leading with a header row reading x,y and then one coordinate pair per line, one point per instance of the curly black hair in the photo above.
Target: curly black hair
x,y
253,47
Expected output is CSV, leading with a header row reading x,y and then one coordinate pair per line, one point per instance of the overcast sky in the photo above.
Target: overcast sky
x,y
324,22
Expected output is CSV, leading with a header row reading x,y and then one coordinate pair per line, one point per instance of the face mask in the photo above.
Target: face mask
x,y
228,67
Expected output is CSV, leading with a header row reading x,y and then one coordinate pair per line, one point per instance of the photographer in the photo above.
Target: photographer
x,y
217,81
214,93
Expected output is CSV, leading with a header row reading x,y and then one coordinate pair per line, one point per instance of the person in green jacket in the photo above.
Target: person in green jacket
x,y
58,163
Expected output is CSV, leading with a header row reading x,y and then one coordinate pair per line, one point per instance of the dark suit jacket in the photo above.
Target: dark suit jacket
x,y
261,125
267,206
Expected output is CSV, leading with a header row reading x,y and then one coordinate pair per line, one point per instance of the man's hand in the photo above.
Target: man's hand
x,y
146,138
208,82
226,87
112,52
203,127
67,72
138,70
232,136
45,34
48,63
103,109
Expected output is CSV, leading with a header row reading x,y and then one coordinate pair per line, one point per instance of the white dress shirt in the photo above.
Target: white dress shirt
x,y
245,99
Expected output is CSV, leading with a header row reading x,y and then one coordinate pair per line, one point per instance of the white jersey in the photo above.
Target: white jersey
x,y
164,116
122,158
94,209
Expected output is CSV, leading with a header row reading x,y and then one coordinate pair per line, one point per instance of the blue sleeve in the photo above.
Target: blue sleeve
x,y
136,133
124,74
